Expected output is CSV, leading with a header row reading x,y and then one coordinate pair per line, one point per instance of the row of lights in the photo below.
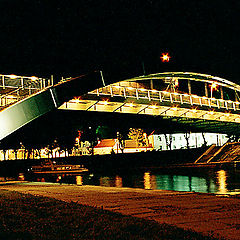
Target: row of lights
x,y
105,102
173,108
194,110
12,76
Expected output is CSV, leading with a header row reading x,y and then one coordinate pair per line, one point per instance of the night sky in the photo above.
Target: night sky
x,y
69,38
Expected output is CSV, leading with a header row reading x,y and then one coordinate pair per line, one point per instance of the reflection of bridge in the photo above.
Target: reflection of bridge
x,y
201,101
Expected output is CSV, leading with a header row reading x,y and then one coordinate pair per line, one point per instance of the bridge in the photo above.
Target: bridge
x,y
198,101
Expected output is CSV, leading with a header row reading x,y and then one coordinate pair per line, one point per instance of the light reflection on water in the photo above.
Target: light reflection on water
x,y
219,182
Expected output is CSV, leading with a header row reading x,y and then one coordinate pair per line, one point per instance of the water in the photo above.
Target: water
x,y
204,181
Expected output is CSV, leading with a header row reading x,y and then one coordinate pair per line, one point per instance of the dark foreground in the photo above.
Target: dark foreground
x,y
24,216
61,212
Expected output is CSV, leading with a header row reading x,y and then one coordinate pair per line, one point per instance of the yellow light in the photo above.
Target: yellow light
x,y
117,86
154,91
147,180
11,97
174,108
76,100
211,112
105,102
214,86
130,105
143,89
222,181
154,106
194,110
130,88
33,78
12,76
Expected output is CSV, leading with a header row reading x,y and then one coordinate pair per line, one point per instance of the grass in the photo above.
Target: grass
x,y
24,216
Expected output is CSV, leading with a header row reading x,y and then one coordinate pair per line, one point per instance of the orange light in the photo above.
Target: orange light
x,y
76,100
165,57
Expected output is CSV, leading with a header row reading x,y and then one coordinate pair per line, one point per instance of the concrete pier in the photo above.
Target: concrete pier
x,y
208,214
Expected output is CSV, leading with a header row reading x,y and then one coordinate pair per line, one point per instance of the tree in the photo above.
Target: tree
x,y
139,136
168,139
187,136
204,140
103,132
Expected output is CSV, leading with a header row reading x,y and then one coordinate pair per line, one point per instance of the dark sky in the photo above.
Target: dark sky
x,y
69,38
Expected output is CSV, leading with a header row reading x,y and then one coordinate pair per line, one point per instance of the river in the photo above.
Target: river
x,y
197,180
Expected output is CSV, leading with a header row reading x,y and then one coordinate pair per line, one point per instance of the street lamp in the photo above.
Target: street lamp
x,y
165,57
213,86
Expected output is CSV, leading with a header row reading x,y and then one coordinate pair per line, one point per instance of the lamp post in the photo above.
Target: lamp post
x,y
165,57
213,87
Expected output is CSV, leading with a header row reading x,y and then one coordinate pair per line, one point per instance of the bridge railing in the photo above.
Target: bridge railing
x,y
14,88
166,97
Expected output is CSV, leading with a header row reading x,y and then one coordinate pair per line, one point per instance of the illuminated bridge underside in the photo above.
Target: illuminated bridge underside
x,y
131,96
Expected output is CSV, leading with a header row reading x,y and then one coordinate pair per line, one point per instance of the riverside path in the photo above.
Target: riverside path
x,y
208,214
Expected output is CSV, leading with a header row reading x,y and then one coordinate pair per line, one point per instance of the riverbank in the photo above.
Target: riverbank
x,y
110,162
207,214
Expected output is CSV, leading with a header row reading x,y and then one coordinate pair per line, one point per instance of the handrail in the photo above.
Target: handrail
x,y
9,93
166,96
27,86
